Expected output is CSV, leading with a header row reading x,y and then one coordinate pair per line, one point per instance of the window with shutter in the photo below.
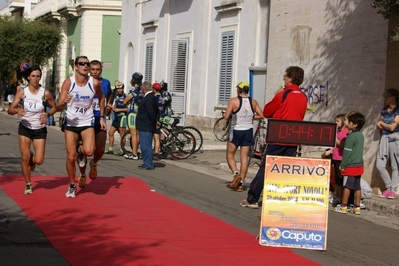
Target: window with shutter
x,y
178,75
178,70
149,51
226,66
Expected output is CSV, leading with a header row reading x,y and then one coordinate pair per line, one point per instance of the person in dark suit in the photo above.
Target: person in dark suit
x,y
147,121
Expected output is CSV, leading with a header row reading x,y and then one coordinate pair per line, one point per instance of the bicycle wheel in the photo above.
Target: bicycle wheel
x,y
199,140
163,139
181,145
221,129
126,142
260,142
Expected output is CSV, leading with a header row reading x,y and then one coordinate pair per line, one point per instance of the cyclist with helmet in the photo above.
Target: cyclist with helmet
x,y
119,121
156,89
133,100
167,112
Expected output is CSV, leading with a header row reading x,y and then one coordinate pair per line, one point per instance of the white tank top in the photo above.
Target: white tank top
x,y
242,119
33,105
80,108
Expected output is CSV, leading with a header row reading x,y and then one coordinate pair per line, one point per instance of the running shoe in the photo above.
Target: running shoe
x,y
82,181
362,205
134,157
340,209
28,188
240,187
120,153
127,155
385,194
93,170
336,202
236,181
392,195
109,151
82,159
245,203
71,193
356,210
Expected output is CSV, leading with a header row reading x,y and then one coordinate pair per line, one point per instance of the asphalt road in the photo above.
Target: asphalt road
x,y
199,182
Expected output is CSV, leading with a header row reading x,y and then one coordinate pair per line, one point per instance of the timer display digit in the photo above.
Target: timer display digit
x,y
301,132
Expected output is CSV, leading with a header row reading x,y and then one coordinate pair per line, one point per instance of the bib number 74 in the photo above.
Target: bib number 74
x,y
80,110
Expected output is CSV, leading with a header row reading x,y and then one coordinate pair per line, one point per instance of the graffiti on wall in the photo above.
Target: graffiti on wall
x,y
316,94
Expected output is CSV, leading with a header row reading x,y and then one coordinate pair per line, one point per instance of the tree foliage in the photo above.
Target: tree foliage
x,y
33,41
389,9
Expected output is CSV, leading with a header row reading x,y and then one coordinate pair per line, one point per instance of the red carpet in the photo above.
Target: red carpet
x,y
119,221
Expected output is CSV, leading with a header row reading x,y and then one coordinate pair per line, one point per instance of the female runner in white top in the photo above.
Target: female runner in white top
x,y
32,128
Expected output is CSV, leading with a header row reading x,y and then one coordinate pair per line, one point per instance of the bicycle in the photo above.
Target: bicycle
x,y
259,147
180,144
126,142
221,128
199,140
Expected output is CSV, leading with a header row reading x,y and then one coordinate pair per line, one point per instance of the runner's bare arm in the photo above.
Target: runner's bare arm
x,y
64,98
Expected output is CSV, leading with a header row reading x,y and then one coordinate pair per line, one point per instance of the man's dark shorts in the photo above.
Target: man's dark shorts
x,y
76,130
32,133
243,137
352,182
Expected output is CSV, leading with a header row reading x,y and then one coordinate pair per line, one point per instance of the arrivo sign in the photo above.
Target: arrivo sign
x,y
301,132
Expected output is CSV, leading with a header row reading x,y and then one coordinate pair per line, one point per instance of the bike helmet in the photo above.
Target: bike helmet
x,y
119,84
156,86
137,76
164,85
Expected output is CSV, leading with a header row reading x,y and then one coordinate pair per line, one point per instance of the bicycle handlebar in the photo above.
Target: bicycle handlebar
x,y
178,114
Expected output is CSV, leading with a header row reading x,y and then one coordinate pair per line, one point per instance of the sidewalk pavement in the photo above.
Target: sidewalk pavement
x,y
386,207
211,160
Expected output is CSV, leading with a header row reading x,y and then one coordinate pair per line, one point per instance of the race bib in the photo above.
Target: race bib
x,y
96,104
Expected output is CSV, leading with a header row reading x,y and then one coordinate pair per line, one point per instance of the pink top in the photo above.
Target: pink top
x,y
337,151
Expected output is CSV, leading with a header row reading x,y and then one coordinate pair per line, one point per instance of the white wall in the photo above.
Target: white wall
x,y
201,23
345,52
342,46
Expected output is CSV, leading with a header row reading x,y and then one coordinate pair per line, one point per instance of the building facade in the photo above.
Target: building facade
x,y
202,49
90,27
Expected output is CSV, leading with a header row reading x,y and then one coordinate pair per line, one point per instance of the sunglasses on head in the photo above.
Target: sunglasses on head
x,y
84,63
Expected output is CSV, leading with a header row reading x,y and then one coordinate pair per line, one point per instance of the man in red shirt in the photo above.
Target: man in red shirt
x,y
289,104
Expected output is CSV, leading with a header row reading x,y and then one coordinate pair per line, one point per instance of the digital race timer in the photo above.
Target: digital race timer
x,y
301,132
